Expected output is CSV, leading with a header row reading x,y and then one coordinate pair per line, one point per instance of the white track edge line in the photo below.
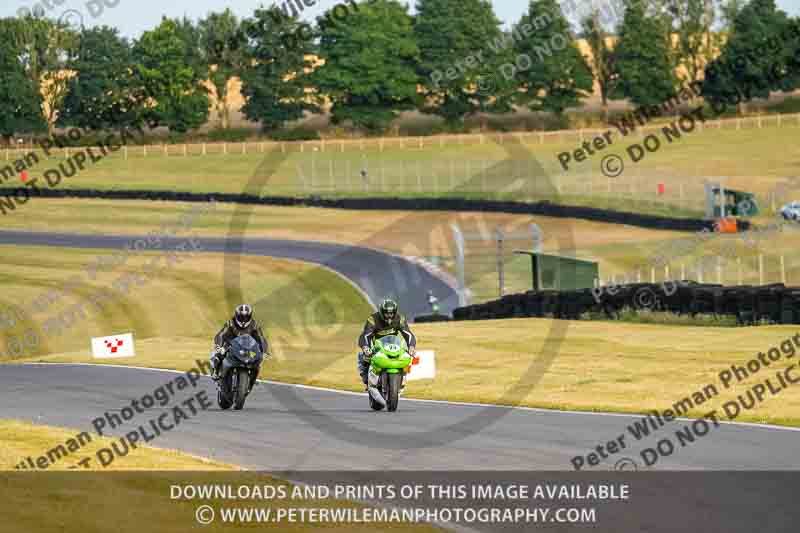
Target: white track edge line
x,y
444,402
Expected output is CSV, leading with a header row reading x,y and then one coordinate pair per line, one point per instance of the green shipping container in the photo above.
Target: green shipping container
x,y
562,273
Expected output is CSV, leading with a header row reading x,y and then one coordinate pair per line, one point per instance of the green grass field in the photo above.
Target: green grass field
x,y
183,306
417,234
19,440
488,170
180,306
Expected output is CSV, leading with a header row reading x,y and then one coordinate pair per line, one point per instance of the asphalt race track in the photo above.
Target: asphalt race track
x,y
285,427
376,273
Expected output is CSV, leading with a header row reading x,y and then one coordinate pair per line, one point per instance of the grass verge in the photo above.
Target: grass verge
x,y
183,303
19,440
419,234
136,493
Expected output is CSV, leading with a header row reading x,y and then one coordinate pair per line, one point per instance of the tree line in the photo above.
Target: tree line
x,y
451,59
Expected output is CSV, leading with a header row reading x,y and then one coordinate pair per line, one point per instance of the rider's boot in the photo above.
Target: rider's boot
x,y
363,370
215,366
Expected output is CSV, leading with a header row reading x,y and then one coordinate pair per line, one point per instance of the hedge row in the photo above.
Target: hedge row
x,y
774,303
409,204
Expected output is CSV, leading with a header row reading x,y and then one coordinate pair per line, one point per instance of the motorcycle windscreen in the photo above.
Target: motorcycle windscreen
x,y
246,349
392,344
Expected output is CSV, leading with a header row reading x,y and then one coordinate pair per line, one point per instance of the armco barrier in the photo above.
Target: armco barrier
x,y
774,303
382,203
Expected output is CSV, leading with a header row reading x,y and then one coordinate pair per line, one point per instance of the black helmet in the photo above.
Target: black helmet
x,y
388,310
243,315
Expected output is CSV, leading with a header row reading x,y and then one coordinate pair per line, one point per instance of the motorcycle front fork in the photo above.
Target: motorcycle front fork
x,y
373,380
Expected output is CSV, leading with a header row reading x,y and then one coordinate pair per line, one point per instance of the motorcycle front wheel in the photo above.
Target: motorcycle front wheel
x,y
224,400
242,387
392,391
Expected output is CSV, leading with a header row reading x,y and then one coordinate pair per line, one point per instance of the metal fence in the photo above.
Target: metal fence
x,y
524,179
411,143
486,264
758,269
321,175
755,258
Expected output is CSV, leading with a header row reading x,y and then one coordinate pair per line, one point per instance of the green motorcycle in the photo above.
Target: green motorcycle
x,y
388,366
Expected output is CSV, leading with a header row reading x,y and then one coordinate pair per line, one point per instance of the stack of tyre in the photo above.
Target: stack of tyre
x,y
766,304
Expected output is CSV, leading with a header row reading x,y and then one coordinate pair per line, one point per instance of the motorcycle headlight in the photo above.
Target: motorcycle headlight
x,y
248,357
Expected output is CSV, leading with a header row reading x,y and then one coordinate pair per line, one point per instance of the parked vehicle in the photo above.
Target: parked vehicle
x,y
791,211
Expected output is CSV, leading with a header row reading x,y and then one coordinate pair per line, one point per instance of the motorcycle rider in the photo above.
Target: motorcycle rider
x,y
433,301
242,323
387,321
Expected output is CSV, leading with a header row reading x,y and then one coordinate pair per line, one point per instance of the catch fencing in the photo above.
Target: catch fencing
x,y
483,256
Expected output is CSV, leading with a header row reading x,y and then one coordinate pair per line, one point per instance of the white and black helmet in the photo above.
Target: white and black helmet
x,y
243,315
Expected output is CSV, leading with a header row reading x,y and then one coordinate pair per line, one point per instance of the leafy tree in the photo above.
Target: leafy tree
x,y
167,70
602,61
458,76
222,42
728,10
558,76
192,35
102,94
20,99
275,74
793,48
369,74
756,59
695,43
643,60
45,49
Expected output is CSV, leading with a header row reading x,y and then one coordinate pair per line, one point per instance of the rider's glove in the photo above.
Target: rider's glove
x,y
412,350
367,351
219,350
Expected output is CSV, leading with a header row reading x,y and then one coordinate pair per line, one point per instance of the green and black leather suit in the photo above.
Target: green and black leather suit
x,y
375,328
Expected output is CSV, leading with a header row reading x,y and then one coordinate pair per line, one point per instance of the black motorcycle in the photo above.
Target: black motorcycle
x,y
239,372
